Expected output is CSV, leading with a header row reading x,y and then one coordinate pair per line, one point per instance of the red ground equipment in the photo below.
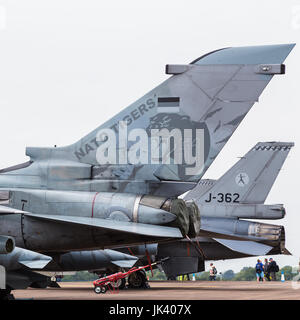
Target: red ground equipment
x,y
110,282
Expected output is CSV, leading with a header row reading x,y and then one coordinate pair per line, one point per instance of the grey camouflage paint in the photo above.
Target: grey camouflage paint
x,y
216,91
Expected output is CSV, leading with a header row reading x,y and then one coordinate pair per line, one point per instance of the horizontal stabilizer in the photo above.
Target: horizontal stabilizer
x,y
247,247
125,263
114,225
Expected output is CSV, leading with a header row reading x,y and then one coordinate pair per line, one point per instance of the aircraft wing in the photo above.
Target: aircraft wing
x,y
114,225
247,247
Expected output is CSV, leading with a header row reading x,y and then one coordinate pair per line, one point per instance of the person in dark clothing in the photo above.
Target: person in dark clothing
x,y
266,270
273,268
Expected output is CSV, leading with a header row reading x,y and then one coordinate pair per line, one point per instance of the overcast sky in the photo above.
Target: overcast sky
x,y
66,66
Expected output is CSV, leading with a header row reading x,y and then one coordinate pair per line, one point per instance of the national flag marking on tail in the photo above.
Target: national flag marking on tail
x,y
168,105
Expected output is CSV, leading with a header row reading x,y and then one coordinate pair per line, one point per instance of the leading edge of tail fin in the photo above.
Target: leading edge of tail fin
x,y
251,178
176,130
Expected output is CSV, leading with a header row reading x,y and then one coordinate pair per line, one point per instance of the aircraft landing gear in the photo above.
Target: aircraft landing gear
x,y
138,280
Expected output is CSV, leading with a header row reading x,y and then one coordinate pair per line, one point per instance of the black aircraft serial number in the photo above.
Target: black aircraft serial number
x,y
224,197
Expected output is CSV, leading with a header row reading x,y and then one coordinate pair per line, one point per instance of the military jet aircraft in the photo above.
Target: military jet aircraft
x,y
224,205
118,185
238,238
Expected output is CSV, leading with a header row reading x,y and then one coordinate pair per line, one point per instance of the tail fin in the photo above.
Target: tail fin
x,y
249,180
176,130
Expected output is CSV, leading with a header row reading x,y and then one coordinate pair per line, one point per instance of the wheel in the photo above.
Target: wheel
x,y
103,289
137,280
98,289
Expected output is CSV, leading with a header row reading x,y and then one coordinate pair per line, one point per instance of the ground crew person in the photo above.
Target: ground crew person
x,y
212,272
